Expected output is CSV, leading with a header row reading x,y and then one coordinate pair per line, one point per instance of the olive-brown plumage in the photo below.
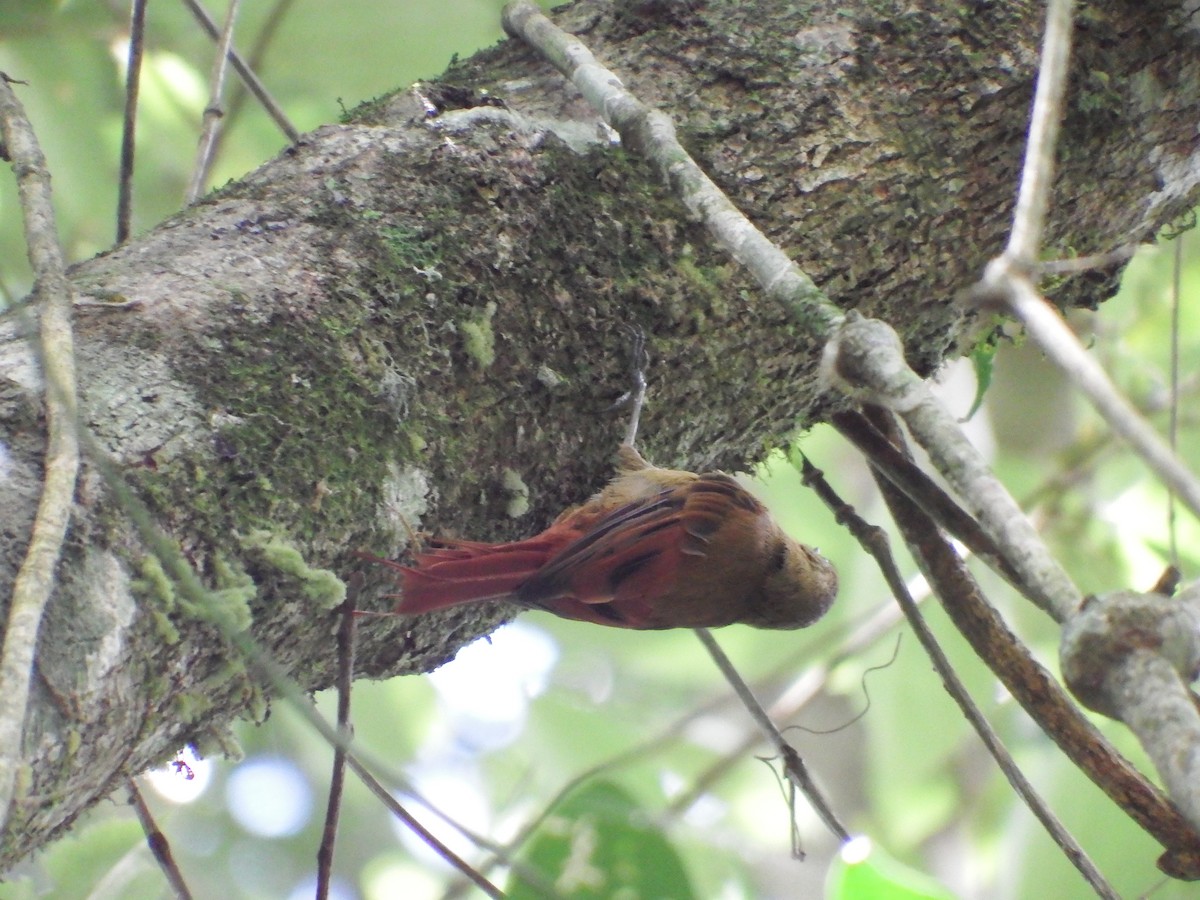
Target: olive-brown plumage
x,y
657,548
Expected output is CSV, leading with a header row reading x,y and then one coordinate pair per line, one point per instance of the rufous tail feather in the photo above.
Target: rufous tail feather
x,y
469,572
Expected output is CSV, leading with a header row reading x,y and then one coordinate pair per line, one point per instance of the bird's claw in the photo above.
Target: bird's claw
x,y
635,397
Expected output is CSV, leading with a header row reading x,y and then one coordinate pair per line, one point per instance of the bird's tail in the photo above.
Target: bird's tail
x,y
452,572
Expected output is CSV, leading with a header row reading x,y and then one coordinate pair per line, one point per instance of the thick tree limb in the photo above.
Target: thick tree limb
x,y
393,325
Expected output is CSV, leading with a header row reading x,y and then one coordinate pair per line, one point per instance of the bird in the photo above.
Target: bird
x,y
655,549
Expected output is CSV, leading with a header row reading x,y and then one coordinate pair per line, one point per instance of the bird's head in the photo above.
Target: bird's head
x,y
798,588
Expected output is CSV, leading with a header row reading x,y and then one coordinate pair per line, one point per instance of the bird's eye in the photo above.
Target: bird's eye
x,y
778,557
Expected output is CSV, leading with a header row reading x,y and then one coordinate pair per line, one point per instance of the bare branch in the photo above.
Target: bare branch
x,y
246,73
1033,687
1059,343
1131,656
214,111
923,490
791,700
1037,173
867,359
35,580
798,694
244,89
1008,276
874,540
793,765
279,679
337,776
652,133
159,846
133,76
1076,264
1173,420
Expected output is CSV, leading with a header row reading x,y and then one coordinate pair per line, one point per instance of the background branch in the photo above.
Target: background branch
x,y
793,765
34,582
1131,656
875,542
1035,689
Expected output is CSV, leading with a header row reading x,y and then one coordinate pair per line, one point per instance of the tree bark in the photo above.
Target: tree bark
x,y
416,320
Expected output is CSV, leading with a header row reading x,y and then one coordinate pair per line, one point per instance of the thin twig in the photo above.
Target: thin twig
x,y
246,73
791,700
337,776
279,679
923,490
1083,458
287,688
875,541
262,43
35,579
1055,338
652,133
1173,420
796,696
133,76
1076,264
1037,172
214,111
636,396
793,764
160,847
385,797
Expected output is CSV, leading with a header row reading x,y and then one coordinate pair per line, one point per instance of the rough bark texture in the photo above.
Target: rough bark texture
x,y
393,326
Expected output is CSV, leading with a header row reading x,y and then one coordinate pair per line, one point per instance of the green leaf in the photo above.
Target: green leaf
x,y
983,358
596,845
879,875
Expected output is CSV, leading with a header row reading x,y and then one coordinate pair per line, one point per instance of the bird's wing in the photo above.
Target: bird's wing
x,y
614,573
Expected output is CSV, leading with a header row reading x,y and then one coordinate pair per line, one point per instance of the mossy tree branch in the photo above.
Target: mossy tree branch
x,y
395,322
